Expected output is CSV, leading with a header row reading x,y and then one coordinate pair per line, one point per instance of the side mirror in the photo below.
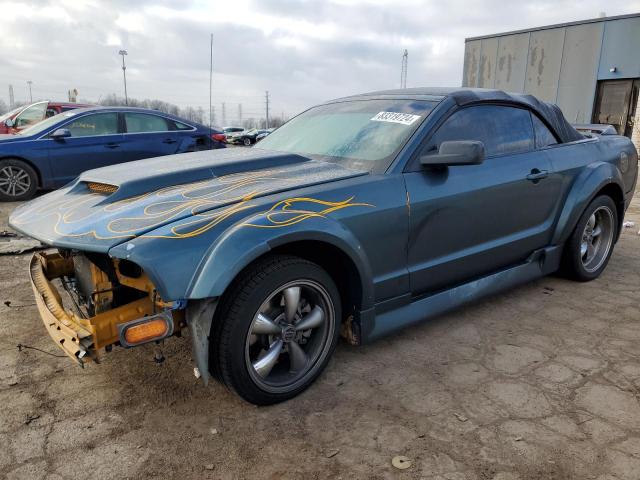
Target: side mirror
x,y
60,133
9,122
458,152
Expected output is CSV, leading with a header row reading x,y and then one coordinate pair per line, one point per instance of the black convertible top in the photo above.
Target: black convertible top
x,y
548,112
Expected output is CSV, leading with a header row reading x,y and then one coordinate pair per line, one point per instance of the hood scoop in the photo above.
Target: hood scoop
x,y
103,209
140,177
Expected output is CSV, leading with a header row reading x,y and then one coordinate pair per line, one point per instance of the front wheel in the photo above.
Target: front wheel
x,y
589,248
247,142
276,330
18,181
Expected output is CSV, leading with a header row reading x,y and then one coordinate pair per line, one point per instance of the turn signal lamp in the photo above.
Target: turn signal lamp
x,y
145,330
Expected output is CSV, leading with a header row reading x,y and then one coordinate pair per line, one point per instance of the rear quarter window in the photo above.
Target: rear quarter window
x,y
544,136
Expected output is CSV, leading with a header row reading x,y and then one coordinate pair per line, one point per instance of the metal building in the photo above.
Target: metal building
x,y
590,68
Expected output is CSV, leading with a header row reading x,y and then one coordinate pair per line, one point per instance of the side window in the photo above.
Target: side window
x,y
544,137
503,130
141,122
31,115
182,126
97,124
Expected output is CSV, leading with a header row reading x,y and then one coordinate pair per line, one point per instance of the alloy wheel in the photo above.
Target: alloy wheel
x,y
289,336
597,238
14,181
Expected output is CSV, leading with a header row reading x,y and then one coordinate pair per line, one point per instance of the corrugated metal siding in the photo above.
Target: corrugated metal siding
x,y
578,82
543,66
512,62
620,49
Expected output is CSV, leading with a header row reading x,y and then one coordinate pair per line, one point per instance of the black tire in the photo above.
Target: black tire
x,y
575,262
234,326
18,180
247,142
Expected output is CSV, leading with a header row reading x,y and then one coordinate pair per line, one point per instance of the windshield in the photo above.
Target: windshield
x,y
360,134
49,122
10,114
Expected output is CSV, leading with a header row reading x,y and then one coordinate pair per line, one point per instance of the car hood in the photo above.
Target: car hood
x,y
107,206
10,138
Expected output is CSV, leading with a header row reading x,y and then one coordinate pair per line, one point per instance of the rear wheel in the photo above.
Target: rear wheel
x,y
276,330
18,181
589,248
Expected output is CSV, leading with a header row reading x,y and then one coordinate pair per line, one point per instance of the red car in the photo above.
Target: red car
x,y
27,115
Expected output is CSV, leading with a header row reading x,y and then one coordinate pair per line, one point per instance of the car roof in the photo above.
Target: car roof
x,y
550,113
99,108
72,104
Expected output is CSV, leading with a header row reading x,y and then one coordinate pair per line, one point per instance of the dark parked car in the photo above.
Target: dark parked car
x,y
28,115
246,138
54,151
360,216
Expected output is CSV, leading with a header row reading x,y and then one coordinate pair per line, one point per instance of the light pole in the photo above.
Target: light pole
x,y
124,74
29,82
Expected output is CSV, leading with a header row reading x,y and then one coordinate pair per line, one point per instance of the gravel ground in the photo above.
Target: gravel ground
x,y
541,382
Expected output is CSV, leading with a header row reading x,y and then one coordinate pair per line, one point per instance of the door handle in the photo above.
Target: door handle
x,y
536,175
169,140
112,145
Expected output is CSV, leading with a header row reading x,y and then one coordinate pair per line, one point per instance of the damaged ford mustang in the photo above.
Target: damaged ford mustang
x,y
356,218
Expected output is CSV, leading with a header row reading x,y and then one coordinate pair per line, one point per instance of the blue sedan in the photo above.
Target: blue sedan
x,y
56,150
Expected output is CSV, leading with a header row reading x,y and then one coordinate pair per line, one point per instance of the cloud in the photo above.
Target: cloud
x,y
302,51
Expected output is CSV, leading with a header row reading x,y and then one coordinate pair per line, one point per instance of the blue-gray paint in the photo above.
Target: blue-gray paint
x,y
419,239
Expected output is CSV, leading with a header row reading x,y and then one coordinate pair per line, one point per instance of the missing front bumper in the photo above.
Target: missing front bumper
x,y
81,337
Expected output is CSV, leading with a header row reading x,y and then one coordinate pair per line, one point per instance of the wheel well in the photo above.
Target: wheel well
x,y
35,169
338,265
615,192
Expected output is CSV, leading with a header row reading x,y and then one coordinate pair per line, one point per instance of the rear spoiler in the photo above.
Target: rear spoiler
x,y
595,129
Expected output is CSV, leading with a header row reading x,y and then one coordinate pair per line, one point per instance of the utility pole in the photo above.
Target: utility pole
x,y
403,70
224,116
239,114
124,74
29,82
11,99
213,115
210,83
266,99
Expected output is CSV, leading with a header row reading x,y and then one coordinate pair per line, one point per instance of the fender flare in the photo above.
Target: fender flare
x,y
243,243
586,186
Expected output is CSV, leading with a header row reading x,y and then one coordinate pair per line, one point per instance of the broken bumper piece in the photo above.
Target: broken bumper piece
x,y
84,337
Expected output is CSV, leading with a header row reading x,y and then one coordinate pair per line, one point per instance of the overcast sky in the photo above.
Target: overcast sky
x,y
302,51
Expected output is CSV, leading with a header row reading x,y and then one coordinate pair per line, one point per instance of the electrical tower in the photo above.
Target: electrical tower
x,y
403,71
239,114
11,99
266,101
224,116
